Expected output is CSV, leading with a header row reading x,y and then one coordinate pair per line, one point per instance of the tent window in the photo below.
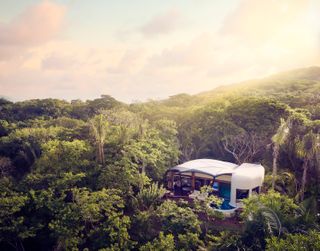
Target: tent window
x,y
256,190
186,181
215,186
242,194
198,183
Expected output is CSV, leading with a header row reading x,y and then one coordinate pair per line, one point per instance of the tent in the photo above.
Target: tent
x,y
230,181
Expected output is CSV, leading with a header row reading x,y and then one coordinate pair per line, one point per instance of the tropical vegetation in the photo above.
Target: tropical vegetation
x,y
89,175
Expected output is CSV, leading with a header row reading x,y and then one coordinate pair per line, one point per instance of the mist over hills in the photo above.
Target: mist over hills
x,y
295,87
298,88
303,79
282,85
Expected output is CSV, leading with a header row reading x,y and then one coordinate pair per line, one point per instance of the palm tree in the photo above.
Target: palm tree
x,y
278,139
5,166
271,220
99,126
149,196
263,219
308,149
286,183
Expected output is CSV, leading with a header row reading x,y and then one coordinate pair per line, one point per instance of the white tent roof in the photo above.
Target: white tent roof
x,y
206,166
217,167
248,175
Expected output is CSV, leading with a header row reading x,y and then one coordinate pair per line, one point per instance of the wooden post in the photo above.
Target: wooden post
x,y
180,187
172,181
213,179
193,182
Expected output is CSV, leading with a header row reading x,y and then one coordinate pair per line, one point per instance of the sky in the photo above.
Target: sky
x,y
135,50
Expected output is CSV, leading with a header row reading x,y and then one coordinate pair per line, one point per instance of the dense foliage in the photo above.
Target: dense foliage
x,y
89,175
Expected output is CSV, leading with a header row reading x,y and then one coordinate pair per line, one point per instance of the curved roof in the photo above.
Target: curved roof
x,y
206,166
217,167
248,176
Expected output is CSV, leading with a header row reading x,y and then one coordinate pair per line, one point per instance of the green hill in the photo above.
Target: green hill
x,y
299,88
284,85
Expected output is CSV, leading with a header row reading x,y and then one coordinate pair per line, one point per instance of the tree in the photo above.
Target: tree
x,y
5,166
31,109
70,128
285,182
150,154
106,102
201,131
145,225
63,156
245,147
302,149
256,120
5,127
118,176
307,149
293,242
23,146
192,141
282,205
268,215
203,206
168,133
238,128
225,241
90,217
278,139
124,125
149,196
99,127
75,217
162,243
13,223
189,241
178,220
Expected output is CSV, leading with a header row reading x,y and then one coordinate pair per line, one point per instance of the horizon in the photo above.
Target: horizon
x,y
160,99
51,49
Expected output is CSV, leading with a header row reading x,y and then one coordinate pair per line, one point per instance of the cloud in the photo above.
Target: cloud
x,y
131,61
36,25
58,62
60,69
196,52
44,65
162,24
259,21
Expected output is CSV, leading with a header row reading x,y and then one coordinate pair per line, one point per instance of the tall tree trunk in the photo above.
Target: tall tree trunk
x,y
100,153
143,168
304,179
274,166
21,246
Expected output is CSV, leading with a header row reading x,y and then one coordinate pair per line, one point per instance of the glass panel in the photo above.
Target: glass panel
x,y
199,183
224,190
256,190
242,193
215,186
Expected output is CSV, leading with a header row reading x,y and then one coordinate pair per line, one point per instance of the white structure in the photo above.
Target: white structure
x,y
230,181
246,177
